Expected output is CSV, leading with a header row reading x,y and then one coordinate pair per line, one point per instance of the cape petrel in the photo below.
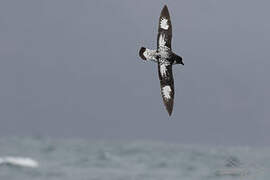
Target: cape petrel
x,y
164,57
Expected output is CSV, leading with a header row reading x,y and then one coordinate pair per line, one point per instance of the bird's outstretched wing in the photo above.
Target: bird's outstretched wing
x,y
166,85
164,37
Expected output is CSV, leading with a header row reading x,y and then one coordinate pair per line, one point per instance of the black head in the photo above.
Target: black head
x,y
141,53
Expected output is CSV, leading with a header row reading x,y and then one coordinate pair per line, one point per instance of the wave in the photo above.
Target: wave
x,y
232,172
19,162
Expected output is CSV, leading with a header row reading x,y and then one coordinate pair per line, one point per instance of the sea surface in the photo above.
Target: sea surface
x,y
77,159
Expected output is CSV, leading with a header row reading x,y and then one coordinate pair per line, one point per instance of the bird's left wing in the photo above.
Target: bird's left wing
x,y
166,85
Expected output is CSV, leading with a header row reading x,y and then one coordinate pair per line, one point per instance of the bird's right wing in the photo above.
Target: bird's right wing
x,y
164,37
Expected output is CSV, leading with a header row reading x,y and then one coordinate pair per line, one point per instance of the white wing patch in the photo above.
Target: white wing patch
x,y
164,24
163,70
166,91
163,49
161,40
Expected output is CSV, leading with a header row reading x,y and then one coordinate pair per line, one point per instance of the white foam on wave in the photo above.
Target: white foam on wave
x,y
19,161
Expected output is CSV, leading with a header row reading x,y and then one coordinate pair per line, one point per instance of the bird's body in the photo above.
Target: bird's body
x,y
165,58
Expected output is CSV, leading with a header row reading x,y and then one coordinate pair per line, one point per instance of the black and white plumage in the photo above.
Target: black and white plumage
x,y
164,57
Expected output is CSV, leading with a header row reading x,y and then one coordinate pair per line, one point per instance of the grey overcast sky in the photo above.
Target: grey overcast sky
x,y
71,69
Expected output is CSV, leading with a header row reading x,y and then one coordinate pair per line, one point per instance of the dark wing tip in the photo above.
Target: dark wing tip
x,y
165,11
165,7
169,103
141,53
169,108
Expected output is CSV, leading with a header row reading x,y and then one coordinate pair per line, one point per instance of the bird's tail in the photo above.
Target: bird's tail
x,y
177,59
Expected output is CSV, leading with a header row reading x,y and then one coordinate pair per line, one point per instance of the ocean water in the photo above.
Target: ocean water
x,y
77,159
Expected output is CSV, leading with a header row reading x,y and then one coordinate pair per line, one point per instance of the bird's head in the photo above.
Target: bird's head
x,y
142,50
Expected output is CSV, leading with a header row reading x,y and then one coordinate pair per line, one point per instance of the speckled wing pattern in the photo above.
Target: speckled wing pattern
x,y
165,28
164,57
166,86
164,66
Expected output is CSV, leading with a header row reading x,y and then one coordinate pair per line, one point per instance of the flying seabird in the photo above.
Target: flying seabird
x,y
164,57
